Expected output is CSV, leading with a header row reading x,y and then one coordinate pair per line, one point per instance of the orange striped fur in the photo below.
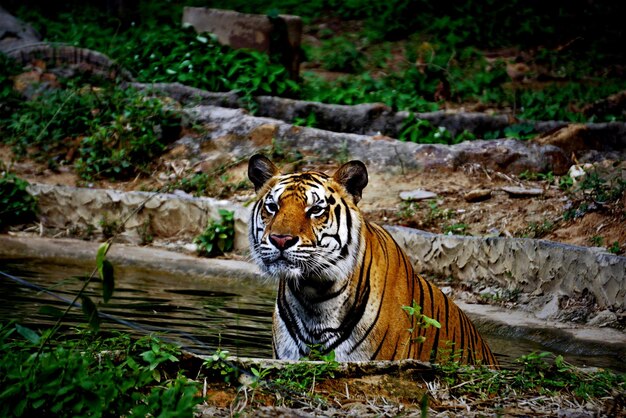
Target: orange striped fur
x,y
342,281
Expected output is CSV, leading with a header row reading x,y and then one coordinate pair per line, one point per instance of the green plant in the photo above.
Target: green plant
x,y
135,132
209,184
218,362
17,206
110,227
423,132
596,240
615,248
341,54
113,132
309,121
539,373
218,237
408,210
529,175
51,122
170,54
435,213
301,376
259,376
282,152
520,131
455,229
419,321
145,231
565,182
537,229
594,192
73,378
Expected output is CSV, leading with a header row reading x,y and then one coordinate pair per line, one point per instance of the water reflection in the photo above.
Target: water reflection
x,y
200,313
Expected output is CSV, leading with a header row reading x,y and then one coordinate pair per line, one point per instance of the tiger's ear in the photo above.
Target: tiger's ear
x,y
353,177
260,170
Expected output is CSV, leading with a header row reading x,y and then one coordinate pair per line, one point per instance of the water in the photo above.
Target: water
x,y
199,313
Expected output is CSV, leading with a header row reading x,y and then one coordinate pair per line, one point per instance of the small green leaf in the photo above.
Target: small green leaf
x,y
91,312
28,333
108,281
51,311
102,251
430,321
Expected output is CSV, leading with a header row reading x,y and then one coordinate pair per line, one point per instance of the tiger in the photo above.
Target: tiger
x,y
342,281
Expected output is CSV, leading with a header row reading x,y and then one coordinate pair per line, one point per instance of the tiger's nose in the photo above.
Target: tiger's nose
x,y
282,242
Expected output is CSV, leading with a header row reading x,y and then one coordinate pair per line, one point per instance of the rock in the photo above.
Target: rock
x,y
15,33
522,191
549,310
570,139
603,319
242,30
477,195
417,194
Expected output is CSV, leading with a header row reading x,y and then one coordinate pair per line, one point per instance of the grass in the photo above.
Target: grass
x,y
538,374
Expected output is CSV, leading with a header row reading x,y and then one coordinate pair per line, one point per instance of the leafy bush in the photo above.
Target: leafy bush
x,y
17,206
170,54
218,237
137,132
116,132
49,122
74,379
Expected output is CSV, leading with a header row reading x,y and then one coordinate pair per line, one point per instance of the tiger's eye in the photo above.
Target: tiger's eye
x,y
271,207
315,210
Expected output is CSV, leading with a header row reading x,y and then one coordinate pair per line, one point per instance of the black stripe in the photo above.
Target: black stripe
x,y
466,345
355,313
380,346
288,317
435,346
446,318
421,305
380,306
395,350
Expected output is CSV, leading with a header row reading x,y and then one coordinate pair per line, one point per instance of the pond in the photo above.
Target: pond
x,y
200,313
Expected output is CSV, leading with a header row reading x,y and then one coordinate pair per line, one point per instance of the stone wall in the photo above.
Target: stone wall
x,y
170,216
536,267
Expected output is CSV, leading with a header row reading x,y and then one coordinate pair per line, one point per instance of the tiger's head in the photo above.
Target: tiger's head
x,y
306,226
